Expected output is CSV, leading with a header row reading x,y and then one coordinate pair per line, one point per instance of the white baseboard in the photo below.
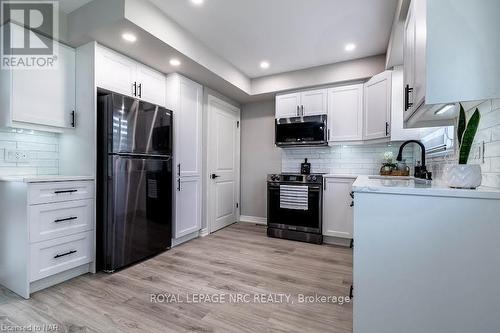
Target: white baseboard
x,y
337,241
204,232
253,219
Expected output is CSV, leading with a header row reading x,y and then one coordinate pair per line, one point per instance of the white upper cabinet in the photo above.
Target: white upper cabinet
x,y
449,56
337,208
288,105
37,97
304,103
345,113
314,102
118,73
377,107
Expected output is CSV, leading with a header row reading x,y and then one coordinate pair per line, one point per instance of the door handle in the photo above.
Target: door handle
x,y
179,169
179,184
302,110
298,110
407,97
135,89
65,191
140,90
213,176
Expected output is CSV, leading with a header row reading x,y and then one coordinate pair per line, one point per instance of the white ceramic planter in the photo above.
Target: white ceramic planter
x,y
463,176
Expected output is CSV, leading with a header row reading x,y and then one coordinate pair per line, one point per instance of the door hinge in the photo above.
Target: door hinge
x,y
237,205
238,124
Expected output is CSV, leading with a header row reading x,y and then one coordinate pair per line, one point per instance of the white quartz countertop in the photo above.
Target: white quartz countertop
x,y
412,186
41,179
340,175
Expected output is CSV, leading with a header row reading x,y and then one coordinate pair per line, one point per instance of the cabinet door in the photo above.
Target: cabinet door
x,y
46,96
288,105
151,85
314,102
187,117
187,206
408,62
337,210
345,113
116,72
377,108
419,50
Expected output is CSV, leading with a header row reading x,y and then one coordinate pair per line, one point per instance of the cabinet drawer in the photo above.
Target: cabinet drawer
x,y
60,219
58,255
40,193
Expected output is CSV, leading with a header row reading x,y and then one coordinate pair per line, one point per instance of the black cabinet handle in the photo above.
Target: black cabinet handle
x,y
179,184
140,90
352,204
134,92
351,292
298,110
65,191
179,169
386,128
66,219
213,176
407,97
73,119
64,254
351,194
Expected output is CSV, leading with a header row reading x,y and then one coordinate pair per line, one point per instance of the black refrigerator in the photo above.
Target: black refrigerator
x,y
134,181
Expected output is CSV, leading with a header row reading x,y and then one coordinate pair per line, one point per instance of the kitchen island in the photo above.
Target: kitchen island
x,y
426,257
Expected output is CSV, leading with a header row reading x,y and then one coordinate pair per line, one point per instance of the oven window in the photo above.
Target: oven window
x,y
301,131
299,218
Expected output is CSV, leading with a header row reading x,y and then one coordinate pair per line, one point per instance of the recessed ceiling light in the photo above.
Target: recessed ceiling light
x,y
350,47
445,109
264,64
197,2
175,62
129,37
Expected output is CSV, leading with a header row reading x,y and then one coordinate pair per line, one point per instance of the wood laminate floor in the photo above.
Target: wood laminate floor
x,y
238,260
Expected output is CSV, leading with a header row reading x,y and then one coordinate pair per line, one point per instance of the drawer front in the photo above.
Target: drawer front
x,y
60,219
40,193
58,255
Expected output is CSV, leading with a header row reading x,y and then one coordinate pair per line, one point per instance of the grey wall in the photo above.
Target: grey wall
x,y
259,156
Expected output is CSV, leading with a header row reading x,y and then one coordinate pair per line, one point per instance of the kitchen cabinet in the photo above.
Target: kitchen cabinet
x,y
118,73
40,97
377,107
48,229
185,98
345,113
337,207
304,103
445,60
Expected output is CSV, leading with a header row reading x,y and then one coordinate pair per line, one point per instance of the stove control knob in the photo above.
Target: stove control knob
x,y
313,178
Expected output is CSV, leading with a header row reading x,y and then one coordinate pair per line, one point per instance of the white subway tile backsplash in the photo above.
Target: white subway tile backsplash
x,y
42,149
366,159
489,133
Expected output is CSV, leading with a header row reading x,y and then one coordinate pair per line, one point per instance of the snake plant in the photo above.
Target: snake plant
x,y
466,131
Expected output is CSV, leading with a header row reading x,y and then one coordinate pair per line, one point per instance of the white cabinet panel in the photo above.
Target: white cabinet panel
x,y
337,210
314,102
288,105
188,206
345,113
377,108
60,254
115,72
151,85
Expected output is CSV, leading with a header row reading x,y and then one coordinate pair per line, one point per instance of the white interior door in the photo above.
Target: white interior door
x,y
223,164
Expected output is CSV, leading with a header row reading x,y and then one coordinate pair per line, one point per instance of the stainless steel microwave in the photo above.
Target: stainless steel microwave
x,y
301,131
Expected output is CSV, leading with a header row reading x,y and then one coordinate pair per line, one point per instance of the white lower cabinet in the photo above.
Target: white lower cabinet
x,y
48,232
188,206
338,207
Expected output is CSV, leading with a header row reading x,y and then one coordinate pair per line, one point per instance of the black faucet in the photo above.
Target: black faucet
x,y
420,171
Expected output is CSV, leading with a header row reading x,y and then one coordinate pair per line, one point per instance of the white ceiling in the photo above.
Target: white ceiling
x,y
67,6
290,34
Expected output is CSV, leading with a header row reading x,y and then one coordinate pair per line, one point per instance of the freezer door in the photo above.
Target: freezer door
x,y
139,128
139,209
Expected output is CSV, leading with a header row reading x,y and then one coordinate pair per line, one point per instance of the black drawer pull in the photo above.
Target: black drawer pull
x,y
65,191
64,254
66,219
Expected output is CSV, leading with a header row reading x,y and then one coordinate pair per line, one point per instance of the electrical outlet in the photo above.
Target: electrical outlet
x,y
14,156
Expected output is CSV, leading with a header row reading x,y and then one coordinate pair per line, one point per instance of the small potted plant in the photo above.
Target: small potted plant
x,y
388,165
463,175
